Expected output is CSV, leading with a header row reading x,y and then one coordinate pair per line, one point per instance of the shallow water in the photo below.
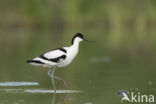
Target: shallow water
x,y
24,93
100,73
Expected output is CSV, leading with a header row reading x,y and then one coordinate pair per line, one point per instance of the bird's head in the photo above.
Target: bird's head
x,y
78,38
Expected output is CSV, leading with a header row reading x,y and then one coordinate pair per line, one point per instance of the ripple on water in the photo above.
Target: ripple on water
x,y
5,84
50,91
35,91
18,84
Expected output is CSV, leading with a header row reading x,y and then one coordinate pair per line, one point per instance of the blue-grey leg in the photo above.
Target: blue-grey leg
x,y
64,83
51,74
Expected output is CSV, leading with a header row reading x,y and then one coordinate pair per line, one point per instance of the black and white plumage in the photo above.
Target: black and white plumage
x,y
49,59
59,57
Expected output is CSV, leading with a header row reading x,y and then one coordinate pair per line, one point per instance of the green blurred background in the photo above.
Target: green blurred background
x,y
123,56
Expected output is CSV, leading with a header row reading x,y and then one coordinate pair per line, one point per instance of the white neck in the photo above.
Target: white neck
x,y
76,42
72,50
75,45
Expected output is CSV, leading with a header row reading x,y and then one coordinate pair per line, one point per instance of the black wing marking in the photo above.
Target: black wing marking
x,y
56,60
42,56
62,49
35,61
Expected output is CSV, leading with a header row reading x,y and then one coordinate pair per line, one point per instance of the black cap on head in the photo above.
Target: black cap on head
x,y
77,35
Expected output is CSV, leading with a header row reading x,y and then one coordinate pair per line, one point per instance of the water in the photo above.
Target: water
x,y
99,74
11,91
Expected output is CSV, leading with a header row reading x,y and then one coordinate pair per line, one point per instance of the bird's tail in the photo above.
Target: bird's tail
x,y
29,61
35,62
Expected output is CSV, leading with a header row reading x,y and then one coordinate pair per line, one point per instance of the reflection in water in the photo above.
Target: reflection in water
x,y
41,91
61,101
53,99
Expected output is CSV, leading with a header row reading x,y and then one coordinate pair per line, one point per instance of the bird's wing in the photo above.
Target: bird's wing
x,y
54,55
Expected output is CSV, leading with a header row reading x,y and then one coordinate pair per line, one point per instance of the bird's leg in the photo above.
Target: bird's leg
x,y
51,74
62,80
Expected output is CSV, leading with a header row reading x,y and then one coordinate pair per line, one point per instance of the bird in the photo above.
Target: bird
x,y
59,57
